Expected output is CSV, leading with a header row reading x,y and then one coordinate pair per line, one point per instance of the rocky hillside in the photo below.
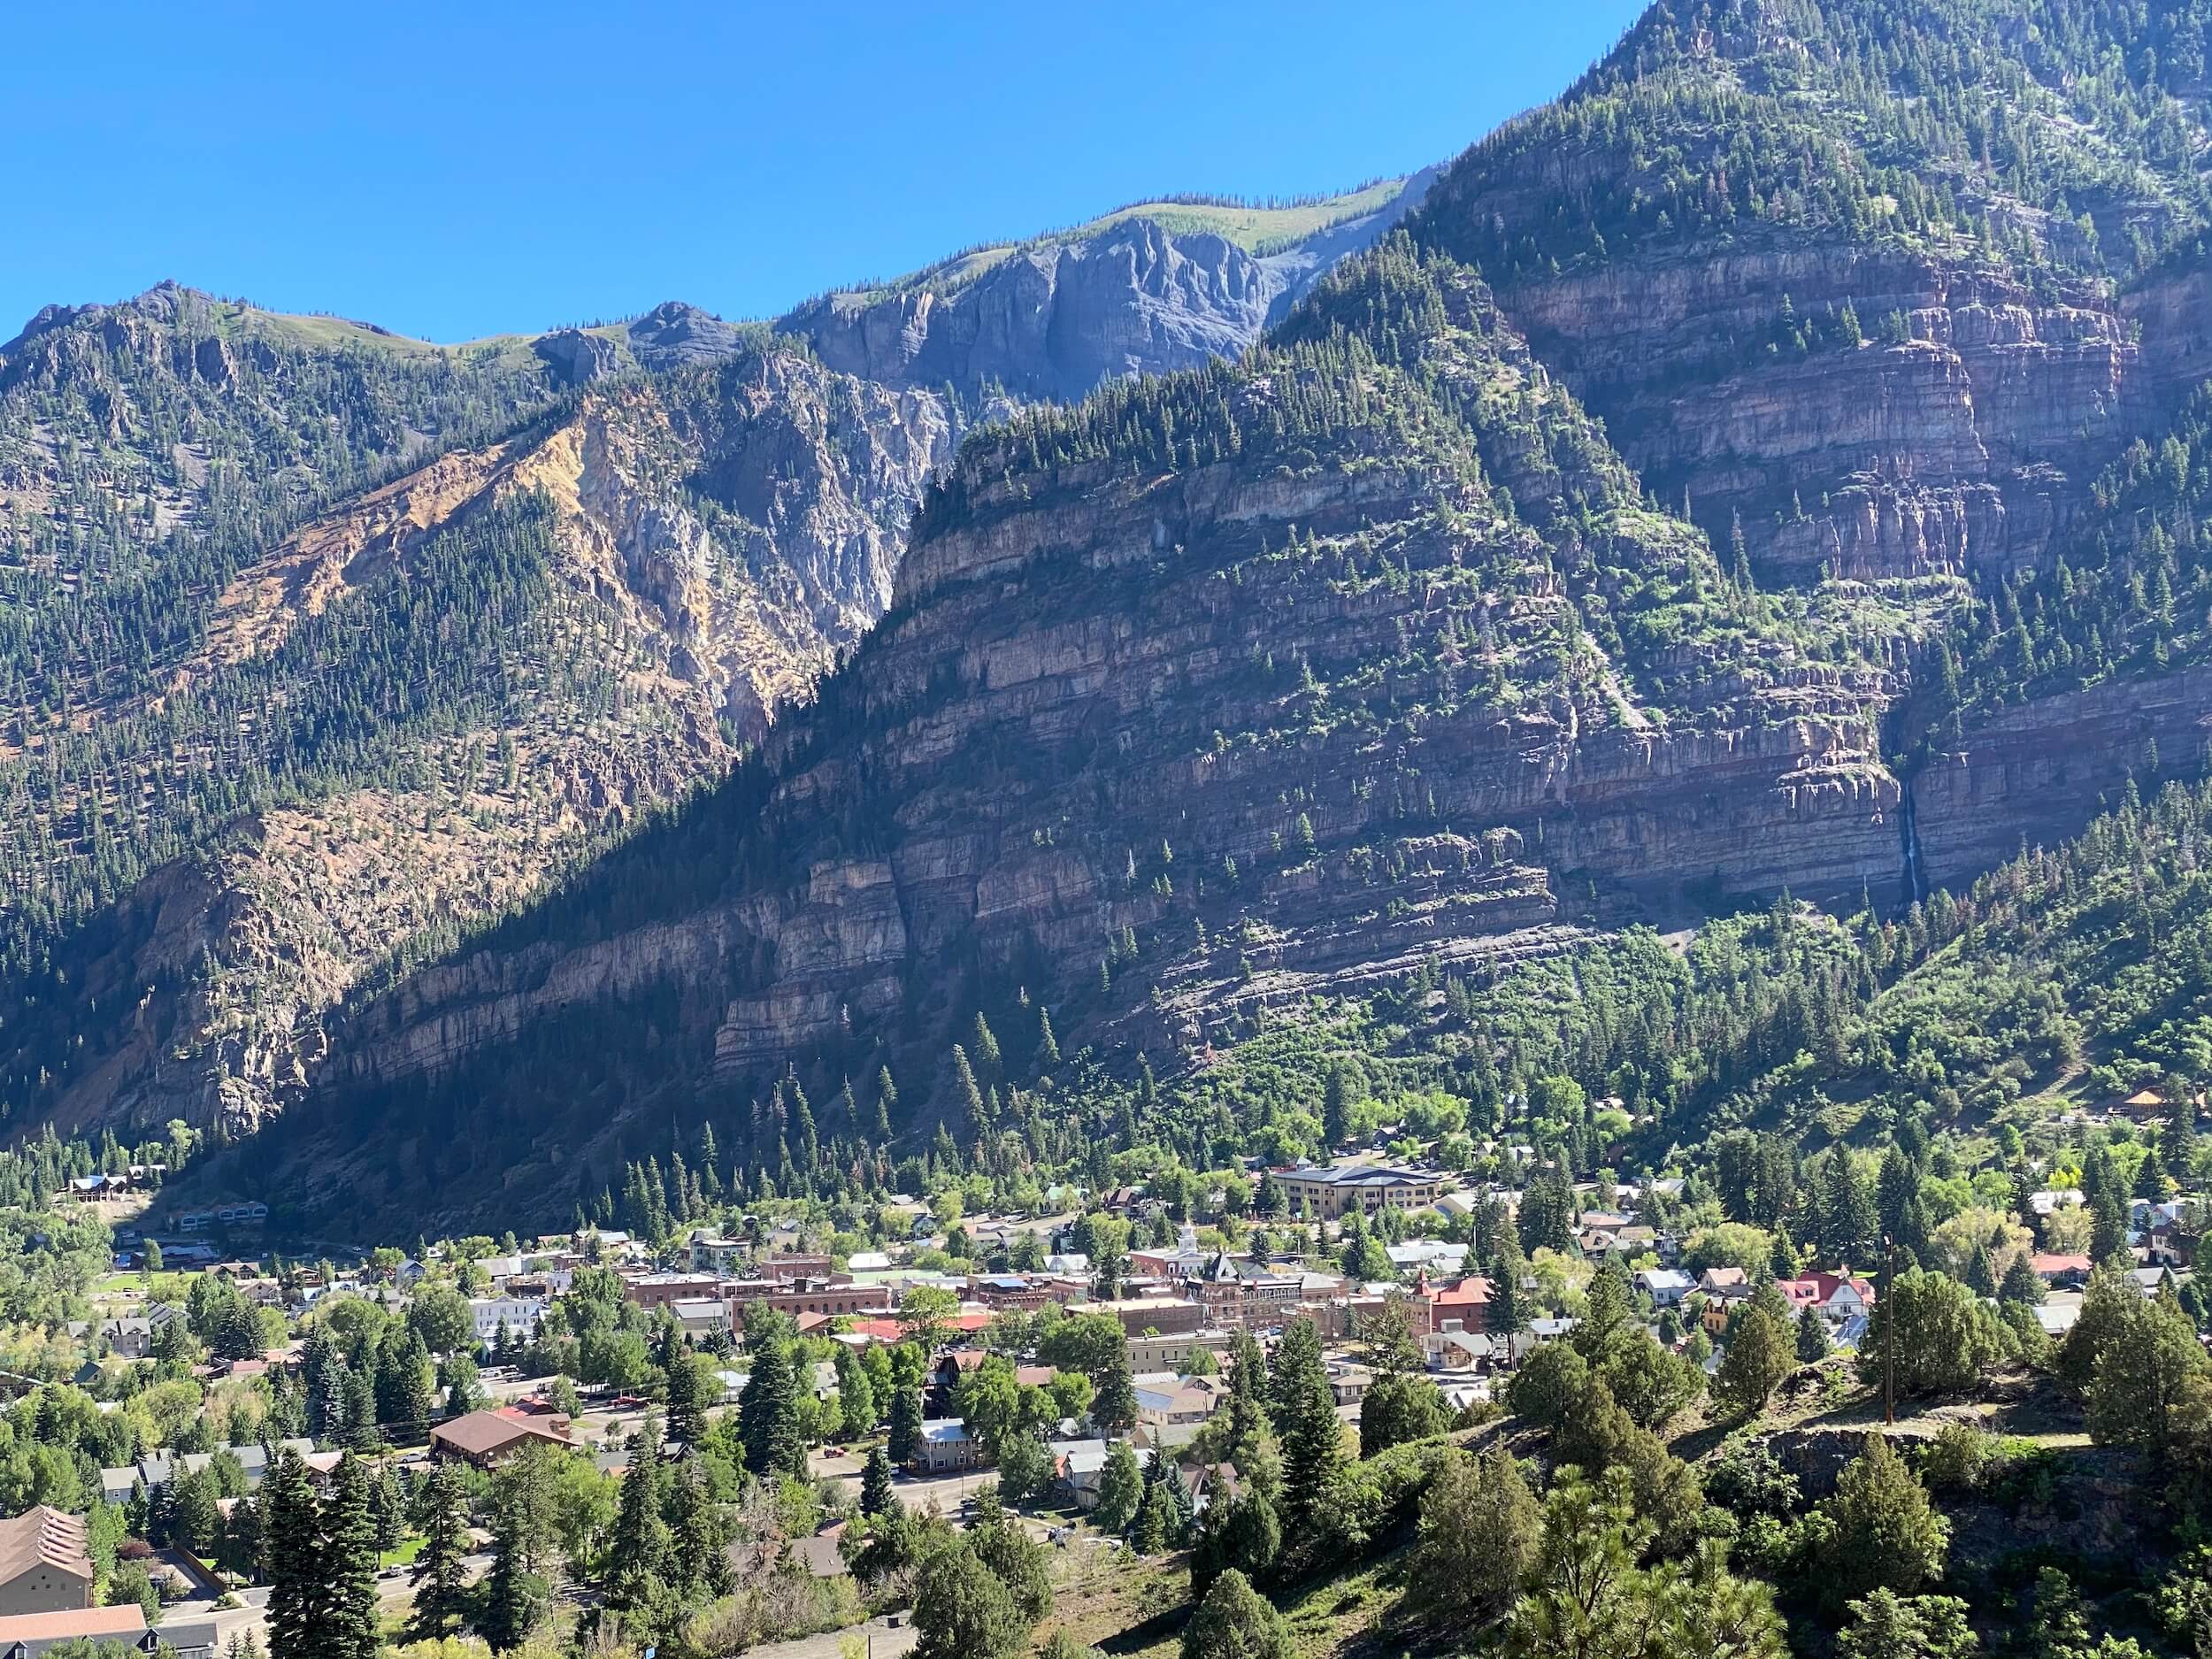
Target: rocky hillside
x,y
1730,481
327,645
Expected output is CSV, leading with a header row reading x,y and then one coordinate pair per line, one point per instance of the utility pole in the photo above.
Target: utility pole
x,y
1889,1330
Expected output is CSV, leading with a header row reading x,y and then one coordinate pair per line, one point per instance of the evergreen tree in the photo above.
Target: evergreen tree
x,y
768,1415
1336,1105
904,1439
2023,1285
441,1575
1761,1352
350,1627
1120,1489
1311,1433
1883,1533
688,1384
1812,1338
297,1568
638,1558
1236,1622
878,1495
699,1536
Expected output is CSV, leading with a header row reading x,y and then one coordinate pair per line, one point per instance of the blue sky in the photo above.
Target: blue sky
x,y
463,169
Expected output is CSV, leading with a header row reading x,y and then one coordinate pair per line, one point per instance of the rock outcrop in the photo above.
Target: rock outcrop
x,y
1052,320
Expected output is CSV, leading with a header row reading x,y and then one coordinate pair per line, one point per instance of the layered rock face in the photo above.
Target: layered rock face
x,y
1247,730
1964,446
1051,320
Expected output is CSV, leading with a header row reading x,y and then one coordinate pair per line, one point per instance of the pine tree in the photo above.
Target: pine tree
x,y
878,1495
768,1415
441,1575
351,1624
687,1396
1306,1423
2021,1284
1812,1338
904,1439
1336,1106
886,1097
292,1529
638,1559
699,1556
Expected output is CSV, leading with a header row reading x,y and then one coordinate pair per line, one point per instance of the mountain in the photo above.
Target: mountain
x,y
1771,466
327,645
1156,287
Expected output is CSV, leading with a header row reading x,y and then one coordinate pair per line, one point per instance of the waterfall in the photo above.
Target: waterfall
x,y
1908,829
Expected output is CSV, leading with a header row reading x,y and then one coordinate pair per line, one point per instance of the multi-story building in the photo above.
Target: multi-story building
x,y
1334,1190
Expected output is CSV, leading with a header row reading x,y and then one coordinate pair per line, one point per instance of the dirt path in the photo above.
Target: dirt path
x,y
877,1641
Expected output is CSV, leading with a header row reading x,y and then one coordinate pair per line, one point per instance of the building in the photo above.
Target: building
x,y
1665,1286
826,1296
520,1314
1334,1190
45,1564
1165,1400
945,1448
712,1255
1169,1315
487,1438
28,1635
1002,1291
1173,1353
1466,1303
658,1290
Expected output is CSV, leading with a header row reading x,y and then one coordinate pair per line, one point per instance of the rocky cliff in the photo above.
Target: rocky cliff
x,y
1142,293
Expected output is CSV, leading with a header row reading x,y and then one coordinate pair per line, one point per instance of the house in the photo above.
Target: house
x,y
947,1447
1731,1284
2151,1280
1333,1190
2060,1270
868,1262
1429,1255
1168,1400
2056,1198
45,1563
487,1438
819,1553
1665,1286
1348,1383
1456,1348
1080,1464
1842,1296
28,1635
128,1338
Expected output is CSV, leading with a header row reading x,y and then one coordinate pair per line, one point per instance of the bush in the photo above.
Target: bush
x,y
1964,1457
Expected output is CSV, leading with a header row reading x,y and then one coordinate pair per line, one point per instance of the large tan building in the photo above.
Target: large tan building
x,y
1334,1190
45,1564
